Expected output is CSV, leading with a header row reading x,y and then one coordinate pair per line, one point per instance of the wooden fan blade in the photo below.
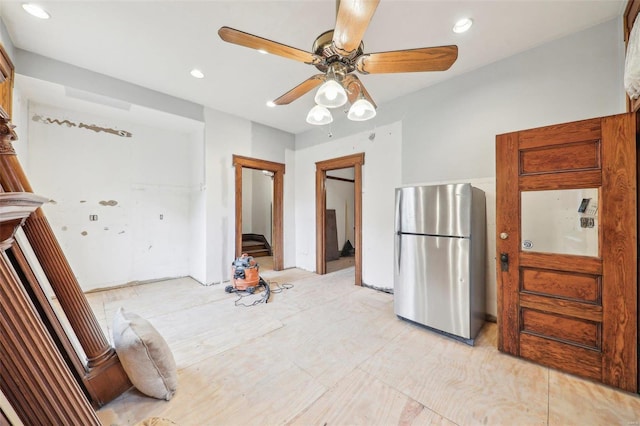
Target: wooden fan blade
x,y
300,89
238,37
354,87
351,23
411,60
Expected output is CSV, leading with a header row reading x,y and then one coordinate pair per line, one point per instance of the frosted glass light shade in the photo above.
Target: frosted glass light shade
x,y
331,94
361,110
319,115
35,10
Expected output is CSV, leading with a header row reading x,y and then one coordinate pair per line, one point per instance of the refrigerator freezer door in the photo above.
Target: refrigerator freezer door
x,y
432,282
434,210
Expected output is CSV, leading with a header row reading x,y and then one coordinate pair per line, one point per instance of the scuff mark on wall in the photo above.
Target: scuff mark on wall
x,y
108,203
83,201
84,233
64,228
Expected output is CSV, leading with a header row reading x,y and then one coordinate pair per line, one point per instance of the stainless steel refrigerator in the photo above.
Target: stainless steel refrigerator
x,y
439,262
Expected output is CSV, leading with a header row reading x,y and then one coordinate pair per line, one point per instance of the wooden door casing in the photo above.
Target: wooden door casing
x,y
277,239
322,167
573,313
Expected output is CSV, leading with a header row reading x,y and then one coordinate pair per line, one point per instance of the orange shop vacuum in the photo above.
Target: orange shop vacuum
x,y
244,275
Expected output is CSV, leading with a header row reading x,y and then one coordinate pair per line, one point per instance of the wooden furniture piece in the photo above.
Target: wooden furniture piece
x,y
101,375
6,81
331,236
571,311
34,377
630,14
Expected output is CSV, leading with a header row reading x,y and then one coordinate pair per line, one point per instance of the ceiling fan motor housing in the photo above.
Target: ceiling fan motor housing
x,y
324,48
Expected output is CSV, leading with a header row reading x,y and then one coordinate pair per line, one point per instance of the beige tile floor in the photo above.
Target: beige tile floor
x,y
326,352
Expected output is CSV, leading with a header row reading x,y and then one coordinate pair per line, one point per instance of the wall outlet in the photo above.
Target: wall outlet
x,y
93,217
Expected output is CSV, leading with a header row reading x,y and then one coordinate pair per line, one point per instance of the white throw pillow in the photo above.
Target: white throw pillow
x,y
145,355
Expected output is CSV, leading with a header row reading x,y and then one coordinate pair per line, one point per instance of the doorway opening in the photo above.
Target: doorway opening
x,y
339,224
355,162
276,173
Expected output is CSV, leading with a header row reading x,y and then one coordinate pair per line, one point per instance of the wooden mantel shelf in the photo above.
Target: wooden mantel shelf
x,y
15,207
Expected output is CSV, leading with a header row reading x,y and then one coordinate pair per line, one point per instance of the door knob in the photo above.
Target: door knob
x,y
504,262
504,235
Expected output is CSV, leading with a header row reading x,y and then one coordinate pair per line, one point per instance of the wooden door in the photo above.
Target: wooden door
x,y
331,236
560,304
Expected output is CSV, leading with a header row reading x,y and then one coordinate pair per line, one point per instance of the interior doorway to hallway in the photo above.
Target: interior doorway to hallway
x,y
354,161
277,171
339,221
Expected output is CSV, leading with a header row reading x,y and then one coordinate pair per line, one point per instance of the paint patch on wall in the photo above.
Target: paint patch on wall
x,y
108,203
97,129
84,233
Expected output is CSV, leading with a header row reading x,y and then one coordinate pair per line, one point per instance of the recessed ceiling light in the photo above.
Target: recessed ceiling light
x,y
35,10
462,25
270,104
197,73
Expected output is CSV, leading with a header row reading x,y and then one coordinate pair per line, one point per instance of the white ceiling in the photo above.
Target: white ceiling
x,y
156,43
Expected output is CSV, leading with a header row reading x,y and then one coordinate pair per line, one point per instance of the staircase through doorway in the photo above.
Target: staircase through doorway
x,y
255,245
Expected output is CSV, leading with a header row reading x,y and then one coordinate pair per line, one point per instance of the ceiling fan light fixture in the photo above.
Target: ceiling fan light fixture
x,y
319,115
462,25
35,10
331,94
361,110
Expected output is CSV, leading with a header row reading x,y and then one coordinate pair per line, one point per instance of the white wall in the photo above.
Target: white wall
x,y
340,197
247,197
262,204
226,135
257,200
449,130
197,208
19,119
128,183
380,175
6,40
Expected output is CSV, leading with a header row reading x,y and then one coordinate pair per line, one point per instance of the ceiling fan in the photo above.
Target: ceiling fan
x,y
337,54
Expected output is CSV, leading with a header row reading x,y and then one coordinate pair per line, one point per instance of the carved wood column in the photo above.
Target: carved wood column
x,y
33,375
104,377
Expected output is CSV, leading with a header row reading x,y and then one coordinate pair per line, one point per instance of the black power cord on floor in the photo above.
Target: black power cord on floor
x,y
264,298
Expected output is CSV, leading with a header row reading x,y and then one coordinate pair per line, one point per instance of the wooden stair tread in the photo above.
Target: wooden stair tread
x,y
255,245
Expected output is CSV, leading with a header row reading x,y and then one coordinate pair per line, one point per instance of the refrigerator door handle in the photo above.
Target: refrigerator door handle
x,y
399,234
